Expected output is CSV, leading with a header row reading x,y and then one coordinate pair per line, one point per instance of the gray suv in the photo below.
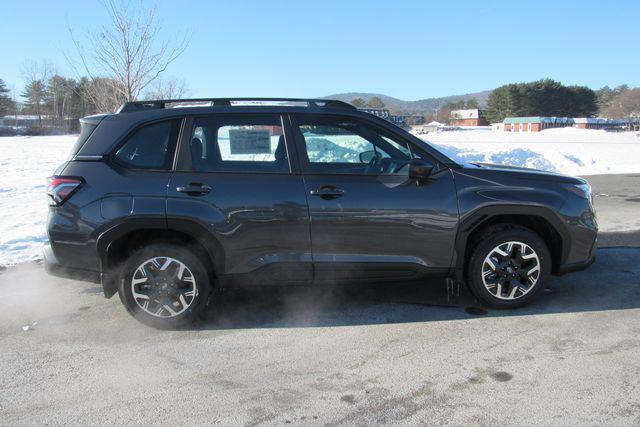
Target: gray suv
x,y
163,201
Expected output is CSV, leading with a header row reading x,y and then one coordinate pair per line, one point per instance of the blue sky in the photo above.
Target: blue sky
x,y
407,49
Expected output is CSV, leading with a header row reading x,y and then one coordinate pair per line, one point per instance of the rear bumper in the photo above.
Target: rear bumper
x,y
53,266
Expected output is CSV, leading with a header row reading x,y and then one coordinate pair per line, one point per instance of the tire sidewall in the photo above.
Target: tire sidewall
x,y
476,262
164,250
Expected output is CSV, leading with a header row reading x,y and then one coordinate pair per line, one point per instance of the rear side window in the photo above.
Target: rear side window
x,y
239,144
150,147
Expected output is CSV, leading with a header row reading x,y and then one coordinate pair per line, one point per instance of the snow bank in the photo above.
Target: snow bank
x,y
26,162
566,150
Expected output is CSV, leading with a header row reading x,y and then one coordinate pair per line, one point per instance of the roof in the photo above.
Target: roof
x,y
22,117
537,119
161,104
434,123
472,113
597,120
563,120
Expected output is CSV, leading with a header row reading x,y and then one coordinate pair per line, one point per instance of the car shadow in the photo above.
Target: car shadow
x,y
612,283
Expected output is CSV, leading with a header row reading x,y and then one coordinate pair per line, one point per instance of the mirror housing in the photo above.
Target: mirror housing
x,y
366,156
420,170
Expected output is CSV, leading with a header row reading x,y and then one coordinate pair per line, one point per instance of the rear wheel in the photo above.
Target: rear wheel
x,y
509,267
164,286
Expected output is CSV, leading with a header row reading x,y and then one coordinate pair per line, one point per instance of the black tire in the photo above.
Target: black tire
x,y
194,265
493,237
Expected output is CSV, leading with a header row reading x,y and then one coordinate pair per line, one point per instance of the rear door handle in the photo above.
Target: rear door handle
x,y
194,189
327,192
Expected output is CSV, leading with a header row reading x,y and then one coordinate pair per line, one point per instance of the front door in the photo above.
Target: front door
x,y
234,179
368,219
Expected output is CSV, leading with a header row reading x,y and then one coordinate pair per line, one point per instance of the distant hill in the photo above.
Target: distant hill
x,y
421,106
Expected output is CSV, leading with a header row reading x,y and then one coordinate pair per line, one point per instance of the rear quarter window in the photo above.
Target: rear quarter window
x,y
86,129
150,147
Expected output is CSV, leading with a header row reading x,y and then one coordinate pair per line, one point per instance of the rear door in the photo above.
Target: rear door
x,y
368,219
234,181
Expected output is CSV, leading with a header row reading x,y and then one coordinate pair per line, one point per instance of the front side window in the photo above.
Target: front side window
x,y
238,144
346,146
150,147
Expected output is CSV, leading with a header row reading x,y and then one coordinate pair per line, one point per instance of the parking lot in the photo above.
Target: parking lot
x,y
344,355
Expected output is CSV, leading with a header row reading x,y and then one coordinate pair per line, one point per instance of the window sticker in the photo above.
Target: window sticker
x,y
249,141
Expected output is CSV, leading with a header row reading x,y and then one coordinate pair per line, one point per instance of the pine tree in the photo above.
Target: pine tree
x,y
59,94
472,103
358,102
34,93
7,105
375,102
544,97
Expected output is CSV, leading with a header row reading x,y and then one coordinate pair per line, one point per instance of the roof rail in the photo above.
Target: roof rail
x,y
160,104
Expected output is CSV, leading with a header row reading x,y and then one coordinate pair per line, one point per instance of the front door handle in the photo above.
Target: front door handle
x,y
327,192
194,189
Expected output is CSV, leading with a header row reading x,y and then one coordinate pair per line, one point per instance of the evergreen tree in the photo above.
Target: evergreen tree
x,y
375,102
605,97
541,98
34,94
59,93
358,102
7,105
472,103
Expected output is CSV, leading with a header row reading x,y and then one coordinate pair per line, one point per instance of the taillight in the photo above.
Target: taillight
x,y
60,188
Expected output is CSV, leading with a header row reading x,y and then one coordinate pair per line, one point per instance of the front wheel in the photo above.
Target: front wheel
x,y
509,267
164,286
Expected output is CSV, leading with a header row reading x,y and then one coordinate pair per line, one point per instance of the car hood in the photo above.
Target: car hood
x,y
520,172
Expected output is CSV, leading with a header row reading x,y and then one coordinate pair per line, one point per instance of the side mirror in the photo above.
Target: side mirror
x,y
367,156
420,170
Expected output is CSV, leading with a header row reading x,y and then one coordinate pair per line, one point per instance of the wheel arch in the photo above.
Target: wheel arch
x,y
541,220
118,242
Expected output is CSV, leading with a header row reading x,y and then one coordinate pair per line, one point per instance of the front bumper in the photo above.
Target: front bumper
x,y
577,266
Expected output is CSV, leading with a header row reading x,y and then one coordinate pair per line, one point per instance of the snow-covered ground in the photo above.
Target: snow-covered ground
x,y
565,150
26,162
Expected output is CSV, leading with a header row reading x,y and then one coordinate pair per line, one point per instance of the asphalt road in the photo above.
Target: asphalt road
x,y
348,355
617,202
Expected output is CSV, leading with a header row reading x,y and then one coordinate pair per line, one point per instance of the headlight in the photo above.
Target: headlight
x,y
580,190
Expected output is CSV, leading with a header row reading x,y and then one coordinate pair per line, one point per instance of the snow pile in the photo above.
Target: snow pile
x,y
25,164
566,150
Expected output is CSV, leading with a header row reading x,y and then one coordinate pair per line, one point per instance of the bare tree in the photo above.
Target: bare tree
x,y
102,94
172,88
31,70
126,55
624,105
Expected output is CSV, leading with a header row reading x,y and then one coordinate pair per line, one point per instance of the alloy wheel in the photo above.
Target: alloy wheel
x,y
163,287
511,270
